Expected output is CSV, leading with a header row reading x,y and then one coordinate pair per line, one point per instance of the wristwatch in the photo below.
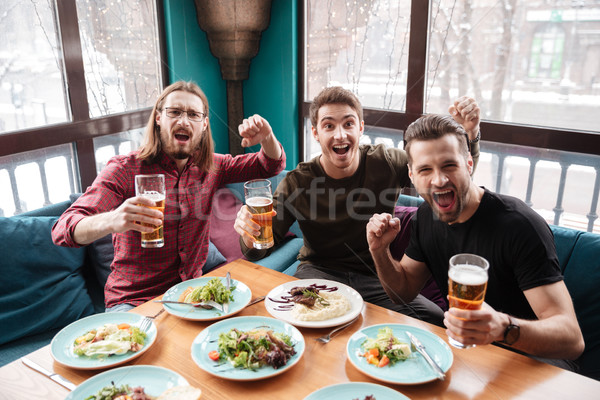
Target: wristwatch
x,y
476,139
512,332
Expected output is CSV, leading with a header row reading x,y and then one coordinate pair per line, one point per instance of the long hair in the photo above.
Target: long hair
x,y
433,126
334,95
152,146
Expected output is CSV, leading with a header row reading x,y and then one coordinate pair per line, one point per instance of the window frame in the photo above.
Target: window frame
x,y
571,140
82,130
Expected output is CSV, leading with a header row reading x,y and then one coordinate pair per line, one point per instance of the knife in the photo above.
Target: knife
x,y
421,349
227,283
55,377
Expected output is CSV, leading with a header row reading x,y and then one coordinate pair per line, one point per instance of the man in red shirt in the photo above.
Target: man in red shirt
x,y
177,143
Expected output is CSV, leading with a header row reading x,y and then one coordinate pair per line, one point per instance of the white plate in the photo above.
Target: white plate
x,y
206,342
411,371
355,299
356,390
61,346
154,380
241,298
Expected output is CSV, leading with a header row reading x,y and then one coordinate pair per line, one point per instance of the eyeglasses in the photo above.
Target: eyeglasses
x,y
178,113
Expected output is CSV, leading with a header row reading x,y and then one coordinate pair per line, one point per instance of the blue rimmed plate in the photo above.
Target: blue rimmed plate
x,y
356,390
241,298
154,380
415,369
61,346
206,341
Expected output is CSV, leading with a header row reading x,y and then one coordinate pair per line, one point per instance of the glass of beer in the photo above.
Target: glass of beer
x,y
259,201
467,283
152,187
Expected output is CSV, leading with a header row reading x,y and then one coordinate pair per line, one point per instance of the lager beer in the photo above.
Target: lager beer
x,y
155,238
467,283
262,213
259,201
152,187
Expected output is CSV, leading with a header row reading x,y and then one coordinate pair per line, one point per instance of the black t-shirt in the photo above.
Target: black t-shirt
x,y
515,240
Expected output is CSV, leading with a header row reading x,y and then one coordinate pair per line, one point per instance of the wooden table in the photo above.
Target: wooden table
x,y
485,372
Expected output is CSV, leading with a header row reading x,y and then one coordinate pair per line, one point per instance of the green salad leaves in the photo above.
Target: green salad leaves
x,y
385,348
255,348
214,290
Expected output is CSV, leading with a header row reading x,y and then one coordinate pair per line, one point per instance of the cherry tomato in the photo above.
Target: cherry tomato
x,y
213,355
384,361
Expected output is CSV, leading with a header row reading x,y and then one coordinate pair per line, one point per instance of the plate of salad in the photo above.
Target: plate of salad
x,y
356,390
102,341
384,352
248,348
206,288
109,384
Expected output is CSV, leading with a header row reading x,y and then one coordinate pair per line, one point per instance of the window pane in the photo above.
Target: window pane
x,y
362,46
121,57
108,146
535,63
35,179
31,67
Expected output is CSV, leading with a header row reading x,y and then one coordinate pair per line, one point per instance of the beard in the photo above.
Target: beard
x,y
179,154
176,150
452,215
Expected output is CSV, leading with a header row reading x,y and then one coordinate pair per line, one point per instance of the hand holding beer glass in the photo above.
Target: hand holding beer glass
x,y
467,283
152,187
259,201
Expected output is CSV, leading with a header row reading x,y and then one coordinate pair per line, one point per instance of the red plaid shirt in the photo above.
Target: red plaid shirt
x,y
140,274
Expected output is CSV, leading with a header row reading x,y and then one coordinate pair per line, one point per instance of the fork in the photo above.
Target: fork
x,y
145,324
327,338
204,305
147,321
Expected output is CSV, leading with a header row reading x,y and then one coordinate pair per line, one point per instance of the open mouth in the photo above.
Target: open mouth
x,y
445,199
341,149
182,137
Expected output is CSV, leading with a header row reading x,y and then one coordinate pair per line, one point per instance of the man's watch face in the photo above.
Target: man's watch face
x,y
512,334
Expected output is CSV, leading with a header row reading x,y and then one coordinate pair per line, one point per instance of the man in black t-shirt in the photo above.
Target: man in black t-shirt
x,y
527,305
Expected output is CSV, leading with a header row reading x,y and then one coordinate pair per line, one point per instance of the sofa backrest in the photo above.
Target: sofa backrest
x,y
52,210
579,257
43,286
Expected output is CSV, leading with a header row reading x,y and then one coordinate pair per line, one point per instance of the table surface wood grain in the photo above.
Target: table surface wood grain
x,y
488,372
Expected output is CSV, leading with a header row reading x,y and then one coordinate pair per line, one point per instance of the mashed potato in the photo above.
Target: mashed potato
x,y
338,305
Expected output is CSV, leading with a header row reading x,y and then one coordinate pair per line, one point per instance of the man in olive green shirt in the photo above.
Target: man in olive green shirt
x,y
333,196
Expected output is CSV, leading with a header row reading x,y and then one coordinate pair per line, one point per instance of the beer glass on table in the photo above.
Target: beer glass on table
x,y
467,283
152,187
259,201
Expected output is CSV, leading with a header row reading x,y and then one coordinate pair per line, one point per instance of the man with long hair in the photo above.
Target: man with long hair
x,y
177,143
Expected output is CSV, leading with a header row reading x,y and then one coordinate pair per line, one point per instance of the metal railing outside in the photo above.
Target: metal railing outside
x,y
499,153
9,165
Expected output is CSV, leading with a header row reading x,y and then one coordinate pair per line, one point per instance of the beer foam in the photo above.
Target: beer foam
x,y
466,274
258,201
153,195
